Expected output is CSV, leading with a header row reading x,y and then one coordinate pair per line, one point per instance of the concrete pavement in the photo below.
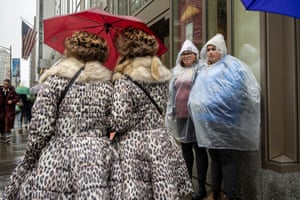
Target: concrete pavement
x,y
11,153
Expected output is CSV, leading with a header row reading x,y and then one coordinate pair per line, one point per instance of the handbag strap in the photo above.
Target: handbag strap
x,y
146,92
63,94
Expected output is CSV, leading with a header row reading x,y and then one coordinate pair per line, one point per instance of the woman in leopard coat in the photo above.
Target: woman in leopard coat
x,y
68,154
151,165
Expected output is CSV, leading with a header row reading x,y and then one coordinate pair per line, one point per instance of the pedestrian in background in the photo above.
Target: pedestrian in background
x,y
8,101
151,164
18,116
68,155
178,119
225,107
25,110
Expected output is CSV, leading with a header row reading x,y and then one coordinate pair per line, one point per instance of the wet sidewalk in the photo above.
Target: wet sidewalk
x,y
11,153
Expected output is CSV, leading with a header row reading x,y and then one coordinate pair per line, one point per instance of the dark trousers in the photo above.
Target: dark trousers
x,y
6,122
201,161
223,166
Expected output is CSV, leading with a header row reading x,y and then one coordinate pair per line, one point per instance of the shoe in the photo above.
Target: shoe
x,y
4,139
7,134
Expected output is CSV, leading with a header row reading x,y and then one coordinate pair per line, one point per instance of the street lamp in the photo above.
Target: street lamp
x,y
10,65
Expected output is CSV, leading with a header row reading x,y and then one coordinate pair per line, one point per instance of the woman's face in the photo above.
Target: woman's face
x,y
188,58
213,55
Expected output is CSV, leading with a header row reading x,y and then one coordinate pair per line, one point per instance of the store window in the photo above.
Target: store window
x,y
187,16
123,9
246,37
216,18
135,5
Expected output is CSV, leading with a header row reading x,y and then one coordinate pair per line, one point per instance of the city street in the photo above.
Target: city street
x,y
11,153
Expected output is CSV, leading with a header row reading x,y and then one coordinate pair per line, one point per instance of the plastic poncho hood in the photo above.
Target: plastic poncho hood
x,y
188,45
219,42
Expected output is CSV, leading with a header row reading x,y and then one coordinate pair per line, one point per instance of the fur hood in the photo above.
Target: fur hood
x,y
145,69
93,71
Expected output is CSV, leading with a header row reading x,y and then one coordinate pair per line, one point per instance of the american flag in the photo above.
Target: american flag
x,y
28,40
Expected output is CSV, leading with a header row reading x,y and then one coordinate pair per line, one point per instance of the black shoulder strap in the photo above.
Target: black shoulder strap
x,y
146,92
63,94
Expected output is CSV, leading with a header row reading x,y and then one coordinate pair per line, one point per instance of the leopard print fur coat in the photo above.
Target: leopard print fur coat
x,y
68,156
151,165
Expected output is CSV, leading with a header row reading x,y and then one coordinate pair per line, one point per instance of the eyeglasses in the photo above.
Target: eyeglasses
x,y
186,53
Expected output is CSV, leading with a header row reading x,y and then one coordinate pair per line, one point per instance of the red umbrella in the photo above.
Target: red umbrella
x,y
56,29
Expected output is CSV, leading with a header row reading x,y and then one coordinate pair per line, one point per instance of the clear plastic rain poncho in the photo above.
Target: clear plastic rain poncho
x,y
225,103
178,119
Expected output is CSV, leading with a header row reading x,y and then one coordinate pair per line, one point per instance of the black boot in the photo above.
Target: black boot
x,y
201,193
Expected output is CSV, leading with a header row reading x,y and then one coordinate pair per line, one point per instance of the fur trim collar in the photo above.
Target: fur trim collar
x,y
145,69
93,71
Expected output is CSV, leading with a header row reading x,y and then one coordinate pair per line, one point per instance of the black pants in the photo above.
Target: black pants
x,y
201,161
223,166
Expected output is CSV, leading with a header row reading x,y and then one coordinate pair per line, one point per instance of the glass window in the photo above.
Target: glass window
x,y
187,16
115,5
246,38
216,18
123,9
87,4
110,4
135,5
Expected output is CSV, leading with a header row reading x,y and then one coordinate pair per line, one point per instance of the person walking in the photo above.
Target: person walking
x,y
225,107
25,111
150,165
178,119
8,101
68,155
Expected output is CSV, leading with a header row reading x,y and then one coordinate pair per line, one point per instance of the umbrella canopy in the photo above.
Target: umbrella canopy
x,y
106,25
22,90
285,7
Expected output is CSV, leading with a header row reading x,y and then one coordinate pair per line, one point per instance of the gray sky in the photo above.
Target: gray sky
x,y
11,14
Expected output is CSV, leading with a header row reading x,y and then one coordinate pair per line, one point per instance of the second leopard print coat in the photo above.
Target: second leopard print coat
x,y
151,165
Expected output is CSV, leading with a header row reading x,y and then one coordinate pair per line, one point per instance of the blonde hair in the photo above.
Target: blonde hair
x,y
86,46
132,42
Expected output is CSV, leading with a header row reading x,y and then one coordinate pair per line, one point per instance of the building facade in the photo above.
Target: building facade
x,y
5,65
43,56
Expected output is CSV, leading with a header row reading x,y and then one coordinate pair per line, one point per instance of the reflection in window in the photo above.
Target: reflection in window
x,y
216,17
135,5
246,37
187,23
123,7
110,5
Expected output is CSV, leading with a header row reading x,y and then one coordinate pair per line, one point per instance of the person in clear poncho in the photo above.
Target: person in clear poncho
x,y
225,107
178,119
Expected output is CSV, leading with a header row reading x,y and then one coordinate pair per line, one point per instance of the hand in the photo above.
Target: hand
x,y
9,101
112,135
